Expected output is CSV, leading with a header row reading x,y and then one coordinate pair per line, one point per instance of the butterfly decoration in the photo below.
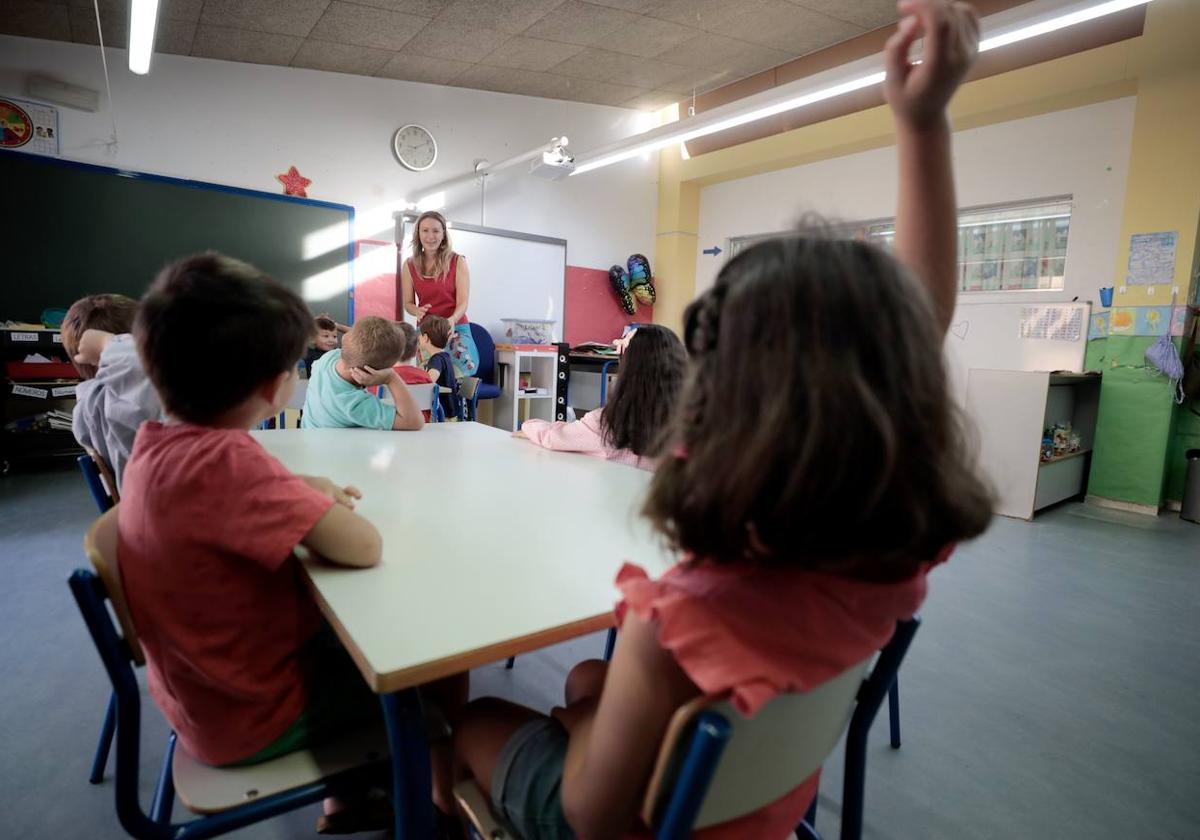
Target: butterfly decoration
x,y
633,283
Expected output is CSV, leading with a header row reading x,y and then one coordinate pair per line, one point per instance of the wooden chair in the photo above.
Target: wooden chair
x,y
229,798
714,765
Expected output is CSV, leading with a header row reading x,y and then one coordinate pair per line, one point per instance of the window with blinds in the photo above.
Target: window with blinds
x,y
1009,247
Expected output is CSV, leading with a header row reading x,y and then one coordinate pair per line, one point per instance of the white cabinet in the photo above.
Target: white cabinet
x,y
1010,410
539,368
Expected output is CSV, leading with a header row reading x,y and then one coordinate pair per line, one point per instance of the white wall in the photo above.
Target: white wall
x,y
1083,152
241,124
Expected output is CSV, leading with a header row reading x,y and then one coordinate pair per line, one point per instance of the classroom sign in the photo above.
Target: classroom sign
x,y
28,126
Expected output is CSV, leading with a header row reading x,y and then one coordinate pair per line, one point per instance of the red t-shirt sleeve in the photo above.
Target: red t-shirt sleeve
x,y
271,511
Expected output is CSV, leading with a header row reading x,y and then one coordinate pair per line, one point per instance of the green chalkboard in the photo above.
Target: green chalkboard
x,y
69,229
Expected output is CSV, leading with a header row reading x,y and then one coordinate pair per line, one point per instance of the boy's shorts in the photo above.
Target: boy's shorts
x,y
339,701
527,781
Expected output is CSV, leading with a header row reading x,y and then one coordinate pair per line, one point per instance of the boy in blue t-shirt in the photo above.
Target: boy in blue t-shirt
x,y
340,386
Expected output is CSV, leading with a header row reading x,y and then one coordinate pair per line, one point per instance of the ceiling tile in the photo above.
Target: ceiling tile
x,y
424,8
514,80
702,80
783,26
531,54
340,58
444,39
651,100
718,53
648,37
600,93
511,16
365,26
286,17
581,23
175,37
606,66
641,7
869,14
114,23
421,68
35,20
243,45
167,9
701,14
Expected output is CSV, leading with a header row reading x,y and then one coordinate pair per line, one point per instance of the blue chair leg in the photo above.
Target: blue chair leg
x,y
512,660
164,792
610,643
412,793
102,746
894,712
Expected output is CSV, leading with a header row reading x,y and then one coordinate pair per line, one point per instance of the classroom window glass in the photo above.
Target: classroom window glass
x,y
1011,247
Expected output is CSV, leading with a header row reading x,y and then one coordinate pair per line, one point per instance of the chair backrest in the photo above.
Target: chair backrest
x,y
100,546
102,493
764,757
487,353
296,403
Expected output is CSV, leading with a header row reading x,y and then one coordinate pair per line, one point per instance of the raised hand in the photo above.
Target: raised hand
x,y
919,93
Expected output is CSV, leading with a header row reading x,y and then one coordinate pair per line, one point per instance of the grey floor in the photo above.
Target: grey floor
x,y
1052,692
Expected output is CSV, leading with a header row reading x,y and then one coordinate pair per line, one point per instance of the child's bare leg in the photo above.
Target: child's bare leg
x,y
481,733
585,680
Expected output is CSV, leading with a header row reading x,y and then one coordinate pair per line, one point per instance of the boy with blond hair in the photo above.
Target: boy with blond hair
x,y
341,383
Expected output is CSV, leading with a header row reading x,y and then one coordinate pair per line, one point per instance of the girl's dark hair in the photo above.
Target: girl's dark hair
x,y
816,429
652,372
213,329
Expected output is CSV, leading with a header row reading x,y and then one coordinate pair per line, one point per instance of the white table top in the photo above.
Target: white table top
x,y
491,546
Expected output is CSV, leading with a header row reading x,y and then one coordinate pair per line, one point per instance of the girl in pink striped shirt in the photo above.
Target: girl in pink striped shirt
x,y
627,429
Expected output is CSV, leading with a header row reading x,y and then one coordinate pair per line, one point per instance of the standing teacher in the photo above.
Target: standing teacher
x,y
436,281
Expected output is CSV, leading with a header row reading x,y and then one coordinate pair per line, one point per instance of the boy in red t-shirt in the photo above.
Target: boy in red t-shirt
x,y
408,372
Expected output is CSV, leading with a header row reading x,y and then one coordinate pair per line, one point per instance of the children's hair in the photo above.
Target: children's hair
x,y
373,342
111,313
213,329
652,371
437,330
411,340
816,429
441,260
326,324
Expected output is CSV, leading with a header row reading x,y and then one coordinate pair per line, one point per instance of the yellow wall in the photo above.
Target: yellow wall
x,y
1082,79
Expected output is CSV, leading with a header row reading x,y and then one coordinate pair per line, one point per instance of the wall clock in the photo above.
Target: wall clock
x,y
414,147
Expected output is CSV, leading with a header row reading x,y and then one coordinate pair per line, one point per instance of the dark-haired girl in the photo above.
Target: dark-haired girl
x,y
808,499
630,427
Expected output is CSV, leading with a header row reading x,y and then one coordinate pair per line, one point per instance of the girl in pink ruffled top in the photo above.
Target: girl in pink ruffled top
x,y
816,473
629,428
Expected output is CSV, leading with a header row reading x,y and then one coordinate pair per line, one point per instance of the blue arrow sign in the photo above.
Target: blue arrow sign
x,y
713,251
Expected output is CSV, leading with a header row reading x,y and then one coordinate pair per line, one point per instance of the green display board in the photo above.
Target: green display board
x,y
69,229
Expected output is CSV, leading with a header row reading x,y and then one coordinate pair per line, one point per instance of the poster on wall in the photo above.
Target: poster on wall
x,y
1056,323
1151,259
28,126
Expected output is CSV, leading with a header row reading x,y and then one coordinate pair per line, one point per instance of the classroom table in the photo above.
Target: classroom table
x,y
492,547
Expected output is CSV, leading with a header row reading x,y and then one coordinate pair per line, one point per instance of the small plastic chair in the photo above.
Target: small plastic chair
x,y
486,372
229,798
90,465
715,766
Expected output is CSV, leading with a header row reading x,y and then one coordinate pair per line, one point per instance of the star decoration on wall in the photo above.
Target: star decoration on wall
x,y
293,182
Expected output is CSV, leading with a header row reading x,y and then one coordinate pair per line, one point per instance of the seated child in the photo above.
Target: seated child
x,y
234,654
816,473
408,372
115,396
341,387
435,335
629,427
325,339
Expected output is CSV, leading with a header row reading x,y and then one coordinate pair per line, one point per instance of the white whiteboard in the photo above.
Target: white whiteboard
x,y
988,335
513,275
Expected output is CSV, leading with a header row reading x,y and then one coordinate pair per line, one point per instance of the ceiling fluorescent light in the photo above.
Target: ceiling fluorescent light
x,y
143,16
716,121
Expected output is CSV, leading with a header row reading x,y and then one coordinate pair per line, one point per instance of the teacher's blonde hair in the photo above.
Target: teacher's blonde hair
x,y
441,261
